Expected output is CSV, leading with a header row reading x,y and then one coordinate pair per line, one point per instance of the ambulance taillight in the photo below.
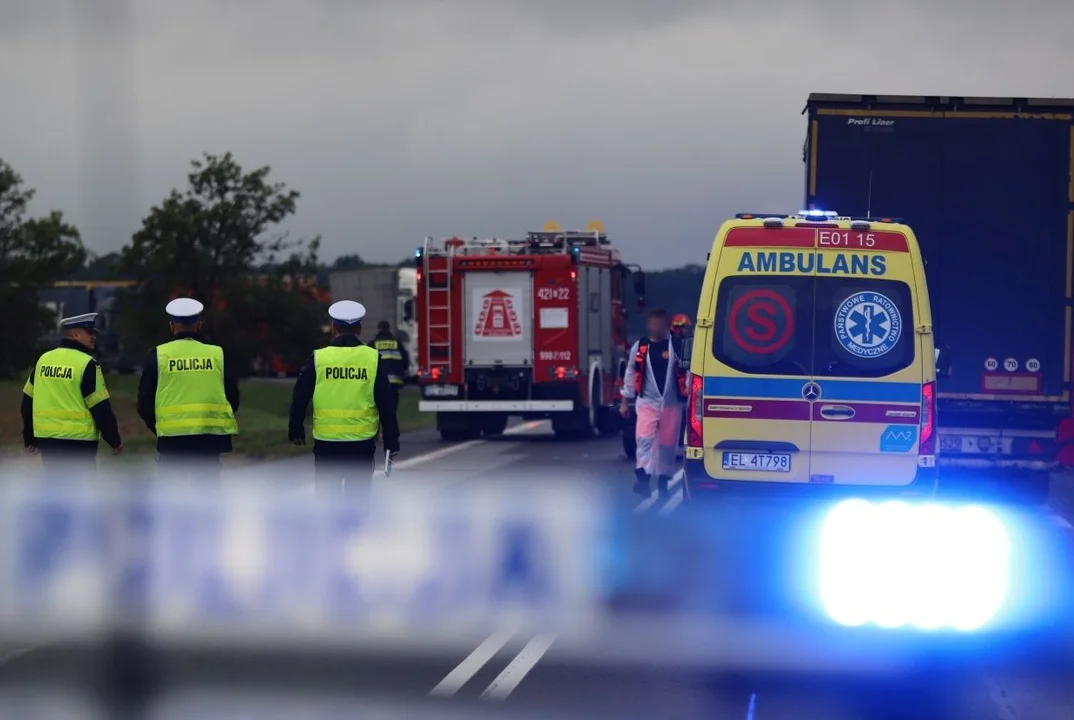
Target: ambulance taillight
x,y
694,434
927,444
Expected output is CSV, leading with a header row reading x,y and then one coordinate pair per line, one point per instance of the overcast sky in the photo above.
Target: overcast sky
x,y
408,118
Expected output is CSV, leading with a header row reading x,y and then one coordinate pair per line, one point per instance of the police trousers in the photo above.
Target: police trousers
x,y
189,466
350,475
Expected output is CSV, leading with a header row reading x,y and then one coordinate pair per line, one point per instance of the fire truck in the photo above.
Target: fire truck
x,y
533,328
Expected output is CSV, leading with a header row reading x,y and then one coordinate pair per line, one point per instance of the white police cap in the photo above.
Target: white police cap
x,y
86,321
182,310
346,312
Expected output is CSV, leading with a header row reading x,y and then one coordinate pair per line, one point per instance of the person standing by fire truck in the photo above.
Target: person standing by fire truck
x,y
393,357
657,385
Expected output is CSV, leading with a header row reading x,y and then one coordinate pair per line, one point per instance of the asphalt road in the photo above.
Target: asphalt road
x,y
533,677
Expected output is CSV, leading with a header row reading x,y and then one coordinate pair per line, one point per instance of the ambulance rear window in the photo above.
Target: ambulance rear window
x,y
865,327
764,324
801,326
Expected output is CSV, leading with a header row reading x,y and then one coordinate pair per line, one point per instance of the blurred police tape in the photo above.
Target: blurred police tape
x,y
418,572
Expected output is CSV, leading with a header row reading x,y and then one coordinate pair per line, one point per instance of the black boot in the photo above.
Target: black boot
x,y
662,486
641,487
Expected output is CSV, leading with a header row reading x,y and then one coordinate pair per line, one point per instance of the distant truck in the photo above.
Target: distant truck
x,y
533,328
987,184
68,298
388,293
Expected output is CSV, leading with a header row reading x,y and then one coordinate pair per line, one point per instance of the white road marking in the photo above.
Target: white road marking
x,y
469,667
648,502
452,449
517,670
673,502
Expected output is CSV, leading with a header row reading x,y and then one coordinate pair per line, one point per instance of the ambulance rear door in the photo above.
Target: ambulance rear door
x,y
756,418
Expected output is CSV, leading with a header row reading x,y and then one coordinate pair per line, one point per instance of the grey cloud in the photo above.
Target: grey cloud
x,y
401,119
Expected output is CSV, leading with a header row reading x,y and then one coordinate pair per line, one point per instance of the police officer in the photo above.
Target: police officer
x,y
393,355
188,396
352,399
65,406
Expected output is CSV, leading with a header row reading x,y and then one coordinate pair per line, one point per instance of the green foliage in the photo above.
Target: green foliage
x,y
218,242
34,252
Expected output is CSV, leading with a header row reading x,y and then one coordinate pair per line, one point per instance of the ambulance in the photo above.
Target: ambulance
x,y
813,368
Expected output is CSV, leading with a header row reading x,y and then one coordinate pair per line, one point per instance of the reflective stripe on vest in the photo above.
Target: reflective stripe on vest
x,y
389,351
681,381
343,405
60,411
190,390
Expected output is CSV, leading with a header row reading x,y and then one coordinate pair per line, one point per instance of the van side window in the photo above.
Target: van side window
x,y
865,328
764,325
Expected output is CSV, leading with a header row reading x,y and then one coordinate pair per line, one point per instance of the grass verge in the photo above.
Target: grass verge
x,y
262,419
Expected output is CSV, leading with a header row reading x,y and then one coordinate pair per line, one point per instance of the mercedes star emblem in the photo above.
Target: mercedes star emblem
x,y
811,392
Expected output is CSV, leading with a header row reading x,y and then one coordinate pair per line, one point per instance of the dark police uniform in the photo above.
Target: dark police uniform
x,y
393,356
352,400
187,397
66,408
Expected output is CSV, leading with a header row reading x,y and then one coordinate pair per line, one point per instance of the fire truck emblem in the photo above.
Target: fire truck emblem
x,y
498,318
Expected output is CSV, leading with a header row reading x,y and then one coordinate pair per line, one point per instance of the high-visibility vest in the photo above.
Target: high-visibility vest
x,y
343,406
642,356
190,396
393,359
60,410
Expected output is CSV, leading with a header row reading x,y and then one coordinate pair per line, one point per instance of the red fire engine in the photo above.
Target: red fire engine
x,y
535,328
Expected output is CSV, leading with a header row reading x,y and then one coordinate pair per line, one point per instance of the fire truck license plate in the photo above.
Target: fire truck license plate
x,y
441,390
769,462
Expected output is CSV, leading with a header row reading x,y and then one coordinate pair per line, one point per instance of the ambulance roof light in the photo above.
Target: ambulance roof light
x,y
773,222
818,214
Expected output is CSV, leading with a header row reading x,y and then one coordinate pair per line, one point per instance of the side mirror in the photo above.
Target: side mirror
x,y
943,362
639,287
408,311
687,352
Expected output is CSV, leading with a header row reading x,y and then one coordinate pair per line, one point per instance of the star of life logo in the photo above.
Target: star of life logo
x,y
868,325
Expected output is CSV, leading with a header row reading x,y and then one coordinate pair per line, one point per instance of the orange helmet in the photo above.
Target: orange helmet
x,y
679,323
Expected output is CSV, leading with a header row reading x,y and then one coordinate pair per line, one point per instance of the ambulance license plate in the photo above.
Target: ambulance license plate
x,y
764,462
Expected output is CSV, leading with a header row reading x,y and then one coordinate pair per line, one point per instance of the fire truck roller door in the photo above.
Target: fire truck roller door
x,y
499,319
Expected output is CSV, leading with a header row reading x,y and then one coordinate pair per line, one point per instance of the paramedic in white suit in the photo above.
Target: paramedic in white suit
x,y
658,386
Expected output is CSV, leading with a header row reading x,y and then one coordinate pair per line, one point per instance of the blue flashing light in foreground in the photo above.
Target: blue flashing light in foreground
x,y
932,567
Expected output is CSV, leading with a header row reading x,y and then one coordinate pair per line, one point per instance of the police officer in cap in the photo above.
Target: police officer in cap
x,y
352,400
65,406
188,396
393,355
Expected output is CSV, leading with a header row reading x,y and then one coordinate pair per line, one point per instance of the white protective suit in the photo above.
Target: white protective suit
x,y
659,416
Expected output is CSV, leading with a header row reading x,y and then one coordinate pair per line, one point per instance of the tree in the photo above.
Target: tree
x,y
34,253
218,241
102,267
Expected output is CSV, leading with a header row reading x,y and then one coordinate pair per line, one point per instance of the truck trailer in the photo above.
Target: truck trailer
x,y
535,328
388,294
987,184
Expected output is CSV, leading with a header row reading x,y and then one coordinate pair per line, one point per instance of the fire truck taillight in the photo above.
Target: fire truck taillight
x,y
564,373
696,404
433,374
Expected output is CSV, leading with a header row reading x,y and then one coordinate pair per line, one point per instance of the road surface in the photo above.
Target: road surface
x,y
529,674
